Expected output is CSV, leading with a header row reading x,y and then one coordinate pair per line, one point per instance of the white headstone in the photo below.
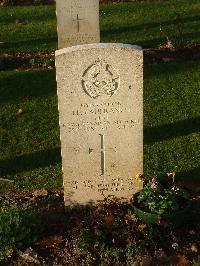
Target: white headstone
x,y
100,95
77,22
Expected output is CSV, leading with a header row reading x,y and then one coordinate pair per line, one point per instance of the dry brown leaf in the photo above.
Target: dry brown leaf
x,y
167,59
194,247
20,112
109,220
51,241
10,253
160,257
178,260
75,221
142,226
146,260
40,193
30,256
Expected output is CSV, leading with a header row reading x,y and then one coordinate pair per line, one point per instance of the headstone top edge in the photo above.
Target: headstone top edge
x,y
97,45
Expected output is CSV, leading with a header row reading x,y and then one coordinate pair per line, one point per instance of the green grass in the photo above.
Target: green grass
x,y
30,147
19,227
29,143
172,119
36,30
33,28
139,23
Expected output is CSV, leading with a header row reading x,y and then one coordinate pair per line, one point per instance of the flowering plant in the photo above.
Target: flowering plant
x,y
161,198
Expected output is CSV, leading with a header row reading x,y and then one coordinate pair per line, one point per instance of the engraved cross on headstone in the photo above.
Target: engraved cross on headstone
x,y
102,152
102,155
78,21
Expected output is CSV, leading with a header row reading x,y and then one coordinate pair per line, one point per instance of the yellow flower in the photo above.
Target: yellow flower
x,y
153,185
174,188
138,177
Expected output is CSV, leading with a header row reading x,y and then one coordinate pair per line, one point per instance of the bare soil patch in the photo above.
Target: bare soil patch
x,y
66,234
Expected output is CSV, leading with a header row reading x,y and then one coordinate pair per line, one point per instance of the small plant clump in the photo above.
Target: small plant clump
x,y
19,227
157,197
174,35
108,233
111,234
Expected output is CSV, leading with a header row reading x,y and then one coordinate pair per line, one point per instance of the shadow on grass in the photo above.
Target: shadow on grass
x,y
28,14
37,41
46,158
29,162
158,41
146,26
27,85
119,31
169,131
190,175
167,69
52,156
147,43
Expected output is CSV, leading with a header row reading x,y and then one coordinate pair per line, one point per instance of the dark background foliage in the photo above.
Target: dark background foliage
x,y
46,2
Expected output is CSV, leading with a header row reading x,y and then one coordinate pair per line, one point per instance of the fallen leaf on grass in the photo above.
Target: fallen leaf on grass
x,y
146,261
130,217
40,193
76,221
178,260
175,245
172,260
194,248
192,232
6,180
166,59
29,255
51,241
109,220
160,257
20,112
142,226
21,22
10,253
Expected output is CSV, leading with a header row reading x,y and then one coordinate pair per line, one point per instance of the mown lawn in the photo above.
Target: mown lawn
x,y
33,28
172,120
29,142
30,146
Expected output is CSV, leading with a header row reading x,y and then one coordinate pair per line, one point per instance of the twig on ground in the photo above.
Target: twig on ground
x,y
6,180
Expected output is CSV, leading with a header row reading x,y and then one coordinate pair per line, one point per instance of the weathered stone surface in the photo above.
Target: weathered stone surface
x,y
100,94
77,22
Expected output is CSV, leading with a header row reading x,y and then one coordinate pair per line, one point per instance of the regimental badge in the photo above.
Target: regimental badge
x,y
100,80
